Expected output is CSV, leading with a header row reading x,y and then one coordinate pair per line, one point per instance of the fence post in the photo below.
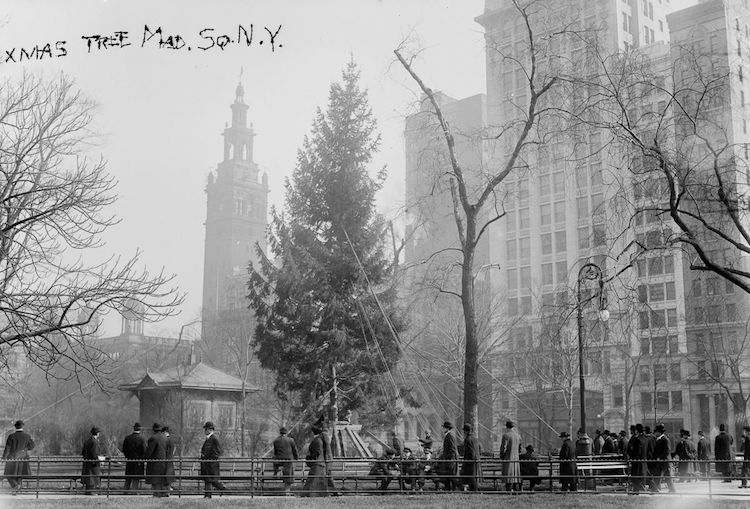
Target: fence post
x,y
38,473
710,494
179,478
551,478
252,477
109,474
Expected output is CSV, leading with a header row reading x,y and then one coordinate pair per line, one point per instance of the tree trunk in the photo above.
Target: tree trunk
x,y
471,367
242,424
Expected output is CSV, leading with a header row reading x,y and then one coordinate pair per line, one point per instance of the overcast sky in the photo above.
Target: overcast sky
x,y
162,111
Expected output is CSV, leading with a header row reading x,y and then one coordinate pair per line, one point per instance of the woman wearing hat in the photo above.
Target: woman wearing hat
x,y
317,483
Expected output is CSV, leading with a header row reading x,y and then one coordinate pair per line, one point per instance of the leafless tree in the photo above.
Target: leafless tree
x,y
53,210
476,190
668,115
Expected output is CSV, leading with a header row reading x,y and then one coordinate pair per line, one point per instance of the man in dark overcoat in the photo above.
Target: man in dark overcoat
x,y
448,460
169,476
662,453
134,450
16,456
568,470
530,467
704,452
638,453
723,453
622,444
210,454
470,466
156,467
652,465
91,469
285,452
745,449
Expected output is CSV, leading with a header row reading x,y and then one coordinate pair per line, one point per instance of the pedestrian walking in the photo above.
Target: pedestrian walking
x,y
610,443
723,453
92,456
284,454
169,476
745,450
16,456
317,483
510,446
470,466
211,451
662,452
156,466
448,460
686,454
639,451
134,450
704,452
568,468
598,444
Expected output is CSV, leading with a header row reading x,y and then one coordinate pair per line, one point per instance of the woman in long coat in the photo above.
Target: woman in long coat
x,y
91,470
317,482
471,468
510,450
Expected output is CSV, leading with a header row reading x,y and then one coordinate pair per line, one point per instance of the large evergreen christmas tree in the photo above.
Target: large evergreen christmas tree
x,y
316,313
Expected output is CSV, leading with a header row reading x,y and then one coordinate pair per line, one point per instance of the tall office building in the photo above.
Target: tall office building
x,y
717,355
560,216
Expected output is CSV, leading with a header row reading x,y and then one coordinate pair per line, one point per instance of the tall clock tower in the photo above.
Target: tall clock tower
x,y
235,219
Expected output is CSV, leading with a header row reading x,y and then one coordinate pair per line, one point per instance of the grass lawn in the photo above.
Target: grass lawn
x,y
536,501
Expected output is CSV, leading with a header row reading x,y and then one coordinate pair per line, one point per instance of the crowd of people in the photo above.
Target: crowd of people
x,y
648,460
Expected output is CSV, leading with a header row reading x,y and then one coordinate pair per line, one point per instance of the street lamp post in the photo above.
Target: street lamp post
x,y
588,272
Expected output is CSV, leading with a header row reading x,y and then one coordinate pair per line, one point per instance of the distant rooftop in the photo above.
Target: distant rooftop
x,y
198,376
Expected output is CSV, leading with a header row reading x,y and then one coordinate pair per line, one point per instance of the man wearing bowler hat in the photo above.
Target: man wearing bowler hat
x,y
156,467
210,453
662,451
16,456
448,461
134,450
568,471
92,454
